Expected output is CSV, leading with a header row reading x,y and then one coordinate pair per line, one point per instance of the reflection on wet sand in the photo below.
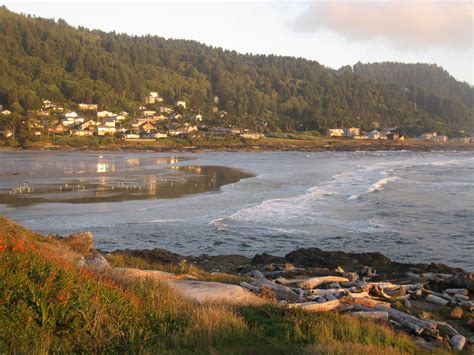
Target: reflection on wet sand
x,y
172,182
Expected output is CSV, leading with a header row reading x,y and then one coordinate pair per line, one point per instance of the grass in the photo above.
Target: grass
x,y
118,259
47,305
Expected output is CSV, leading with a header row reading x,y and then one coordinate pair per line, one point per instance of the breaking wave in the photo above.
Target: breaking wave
x,y
380,185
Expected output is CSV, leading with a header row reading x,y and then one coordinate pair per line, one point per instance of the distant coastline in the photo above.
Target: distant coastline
x,y
264,145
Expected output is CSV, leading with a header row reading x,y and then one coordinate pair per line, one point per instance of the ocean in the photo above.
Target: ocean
x,y
410,206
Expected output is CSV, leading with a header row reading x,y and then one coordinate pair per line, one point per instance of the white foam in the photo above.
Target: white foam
x,y
380,185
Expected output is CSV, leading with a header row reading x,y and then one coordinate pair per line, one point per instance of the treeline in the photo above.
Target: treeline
x,y
45,59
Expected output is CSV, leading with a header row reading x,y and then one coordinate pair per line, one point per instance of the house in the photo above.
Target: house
x,y
196,117
147,113
159,117
88,107
393,136
70,114
335,132
153,97
6,112
132,136
182,131
102,114
86,125
251,135
374,134
59,128
180,103
103,130
47,104
71,121
164,109
175,116
146,127
428,136
6,133
159,135
81,133
109,121
441,138
351,132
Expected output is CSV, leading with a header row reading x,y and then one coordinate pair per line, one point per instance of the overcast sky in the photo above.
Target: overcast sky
x,y
334,33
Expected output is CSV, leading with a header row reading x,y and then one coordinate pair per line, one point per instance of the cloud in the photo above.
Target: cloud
x,y
413,24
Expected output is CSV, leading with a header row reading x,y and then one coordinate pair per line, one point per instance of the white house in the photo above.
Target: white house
x,y
181,103
159,135
102,130
6,112
153,97
70,114
335,132
164,109
102,114
252,135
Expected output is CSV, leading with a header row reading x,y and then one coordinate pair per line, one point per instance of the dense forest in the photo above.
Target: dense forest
x,y
47,59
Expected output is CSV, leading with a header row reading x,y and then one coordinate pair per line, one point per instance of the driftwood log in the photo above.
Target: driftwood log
x,y
437,300
419,326
379,315
316,307
314,282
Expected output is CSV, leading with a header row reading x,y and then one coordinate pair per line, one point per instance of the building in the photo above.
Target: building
x,y
181,103
102,114
146,127
103,130
81,133
251,135
164,109
428,136
88,107
441,138
109,121
374,134
6,112
153,98
159,135
132,136
351,132
70,114
197,117
335,132
393,136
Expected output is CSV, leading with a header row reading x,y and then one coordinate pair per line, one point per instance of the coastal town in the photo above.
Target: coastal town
x,y
156,120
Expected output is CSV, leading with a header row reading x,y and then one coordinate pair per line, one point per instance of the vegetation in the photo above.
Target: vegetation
x,y
48,305
44,59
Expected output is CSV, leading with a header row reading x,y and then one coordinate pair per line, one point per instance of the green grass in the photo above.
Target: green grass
x,y
50,306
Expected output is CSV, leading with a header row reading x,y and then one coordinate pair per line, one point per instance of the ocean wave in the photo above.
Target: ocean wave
x,y
380,185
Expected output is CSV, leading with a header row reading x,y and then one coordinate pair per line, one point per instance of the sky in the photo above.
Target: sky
x,y
335,33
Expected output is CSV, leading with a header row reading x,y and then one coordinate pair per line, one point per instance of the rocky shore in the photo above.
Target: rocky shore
x,y
433,301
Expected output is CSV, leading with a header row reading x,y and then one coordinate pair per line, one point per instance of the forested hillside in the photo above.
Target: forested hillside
x,y
43,59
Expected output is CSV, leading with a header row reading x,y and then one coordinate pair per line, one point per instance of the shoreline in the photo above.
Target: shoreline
x,y
264,145
302,257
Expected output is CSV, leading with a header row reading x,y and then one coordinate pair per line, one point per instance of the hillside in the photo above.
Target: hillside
x,y
50,305
43,59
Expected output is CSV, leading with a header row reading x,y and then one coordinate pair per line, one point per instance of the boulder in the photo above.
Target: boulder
x,y
202,291
80,243
260,259
95,260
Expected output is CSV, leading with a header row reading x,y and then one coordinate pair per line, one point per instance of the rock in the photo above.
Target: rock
x,y
444,269
456,313
130,275
269,267
315,257
265,258
458,342
96,260
81,242
202,291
